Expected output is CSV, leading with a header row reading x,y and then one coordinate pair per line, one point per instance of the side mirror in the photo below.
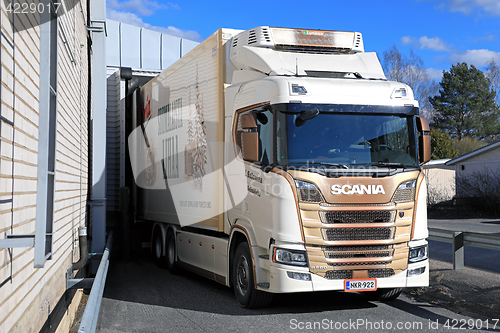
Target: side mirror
x,y
424,140
306,115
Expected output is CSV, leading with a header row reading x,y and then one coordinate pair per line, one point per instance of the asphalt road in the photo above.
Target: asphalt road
x,y
139,297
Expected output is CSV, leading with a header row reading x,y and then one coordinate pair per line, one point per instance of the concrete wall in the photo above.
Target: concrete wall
x,y
28,296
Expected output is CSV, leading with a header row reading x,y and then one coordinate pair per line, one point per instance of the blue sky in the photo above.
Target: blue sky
x,y
442,32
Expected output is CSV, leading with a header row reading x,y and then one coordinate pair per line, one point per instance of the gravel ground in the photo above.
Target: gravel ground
x,y
471,292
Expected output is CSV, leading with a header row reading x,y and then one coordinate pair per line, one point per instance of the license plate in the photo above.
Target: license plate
x,y
360,285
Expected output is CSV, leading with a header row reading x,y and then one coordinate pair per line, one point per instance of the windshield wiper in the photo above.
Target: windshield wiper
x,y
337,165
389,165
386,164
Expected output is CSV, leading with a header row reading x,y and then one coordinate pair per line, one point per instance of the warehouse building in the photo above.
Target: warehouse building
x,y
45,158
61,147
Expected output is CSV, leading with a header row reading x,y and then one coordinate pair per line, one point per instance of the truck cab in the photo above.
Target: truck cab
x,y
332,154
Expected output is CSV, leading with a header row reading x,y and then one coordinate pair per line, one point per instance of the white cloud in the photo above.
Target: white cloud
x,y
468,7
435,43
141,7
124,17
435,74
407,40
424,42
133,19
478,58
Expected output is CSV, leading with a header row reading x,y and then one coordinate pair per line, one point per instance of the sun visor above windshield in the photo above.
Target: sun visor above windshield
x,y
272,62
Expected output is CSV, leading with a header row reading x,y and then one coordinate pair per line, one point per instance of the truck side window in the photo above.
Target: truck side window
x,y
255,122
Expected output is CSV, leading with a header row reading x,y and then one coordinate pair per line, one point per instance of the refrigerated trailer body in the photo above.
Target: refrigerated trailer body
x,y
281,160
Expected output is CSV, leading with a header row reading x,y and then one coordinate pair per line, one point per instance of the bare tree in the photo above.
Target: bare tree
x,y
493,73
480,190
411,71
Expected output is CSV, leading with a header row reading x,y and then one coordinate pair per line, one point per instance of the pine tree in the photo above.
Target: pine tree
x,y
442,146
466,105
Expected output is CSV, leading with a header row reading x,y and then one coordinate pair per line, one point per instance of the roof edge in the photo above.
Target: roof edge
x,y
473,153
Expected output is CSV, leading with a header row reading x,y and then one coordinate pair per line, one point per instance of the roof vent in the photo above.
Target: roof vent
x,y
252,39
358,43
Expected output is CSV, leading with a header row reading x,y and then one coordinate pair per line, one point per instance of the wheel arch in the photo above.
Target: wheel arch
x,y
241,233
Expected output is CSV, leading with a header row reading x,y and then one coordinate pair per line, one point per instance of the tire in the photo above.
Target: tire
x,y
157,249
384,295
243,280
171,257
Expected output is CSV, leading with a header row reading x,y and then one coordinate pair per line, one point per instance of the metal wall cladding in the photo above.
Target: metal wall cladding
x,y
132,46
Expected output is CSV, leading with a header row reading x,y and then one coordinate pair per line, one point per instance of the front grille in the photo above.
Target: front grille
x,y
380,273
344,255
364,263
358,216
354,234
356,248
338,275
347,274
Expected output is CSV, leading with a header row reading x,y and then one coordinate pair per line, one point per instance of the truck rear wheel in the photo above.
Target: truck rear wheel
x,y
158,249
171,254
384,294
243,280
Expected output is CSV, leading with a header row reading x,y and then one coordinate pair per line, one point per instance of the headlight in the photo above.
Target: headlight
x,y
418,254
405,191
308,192
408,185
290,257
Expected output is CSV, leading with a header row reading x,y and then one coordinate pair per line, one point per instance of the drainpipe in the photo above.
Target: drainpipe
x,y
84,254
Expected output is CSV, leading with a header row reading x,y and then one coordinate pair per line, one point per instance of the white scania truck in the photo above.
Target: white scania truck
x,y
280,160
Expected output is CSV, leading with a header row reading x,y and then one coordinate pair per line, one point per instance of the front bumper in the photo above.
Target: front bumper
x,y
280,282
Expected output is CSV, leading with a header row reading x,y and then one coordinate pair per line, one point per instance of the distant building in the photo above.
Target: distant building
x,y
484,161
440,181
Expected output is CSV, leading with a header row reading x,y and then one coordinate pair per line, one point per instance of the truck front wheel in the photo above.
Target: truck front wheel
x,y
243,280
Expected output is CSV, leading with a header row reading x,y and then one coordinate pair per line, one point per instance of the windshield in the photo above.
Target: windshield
x,y
346,140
